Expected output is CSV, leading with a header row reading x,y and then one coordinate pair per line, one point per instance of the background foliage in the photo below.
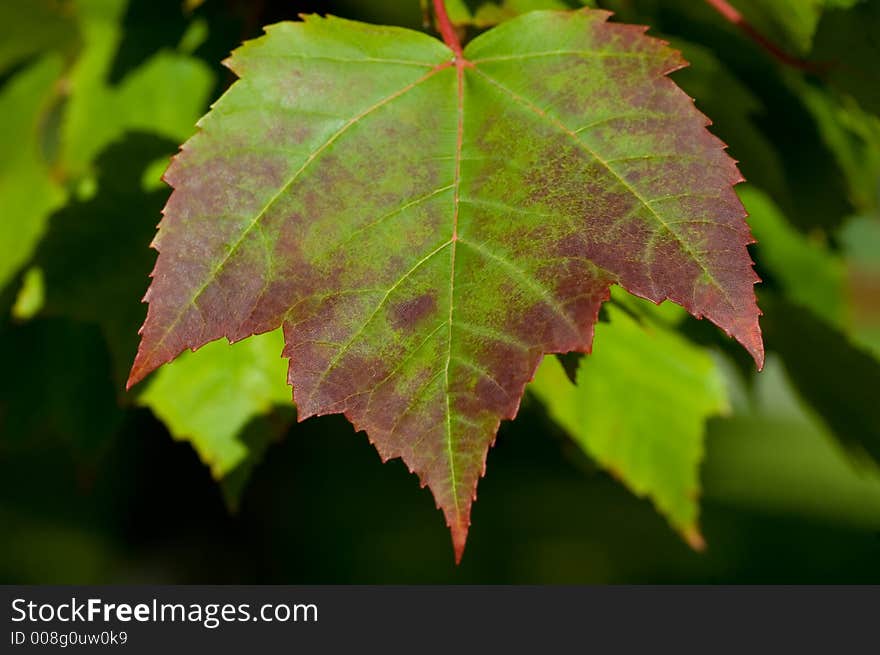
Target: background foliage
x,y
99,485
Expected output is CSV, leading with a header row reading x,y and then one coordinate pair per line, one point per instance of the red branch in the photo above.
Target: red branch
x,y
731,15
447,31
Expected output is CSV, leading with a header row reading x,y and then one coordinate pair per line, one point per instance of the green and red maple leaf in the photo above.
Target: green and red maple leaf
x,y
425,225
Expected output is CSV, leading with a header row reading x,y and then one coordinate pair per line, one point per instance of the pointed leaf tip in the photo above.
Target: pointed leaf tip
x,y
695,540
459,532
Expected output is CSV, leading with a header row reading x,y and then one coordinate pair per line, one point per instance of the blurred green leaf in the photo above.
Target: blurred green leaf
x,y
33,27
458,10
31,543
842,288
836,377
490,13
207,397
778,459
147,27
849,40
165,95
851,135
96,257
639,408
860,238
808,271
790,24
861,241
28,188
31,296
810,321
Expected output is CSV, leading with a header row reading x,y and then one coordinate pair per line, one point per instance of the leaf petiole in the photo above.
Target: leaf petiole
x,y
447,30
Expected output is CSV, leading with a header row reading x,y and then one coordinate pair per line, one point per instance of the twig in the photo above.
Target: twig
x,y
447,30
731,15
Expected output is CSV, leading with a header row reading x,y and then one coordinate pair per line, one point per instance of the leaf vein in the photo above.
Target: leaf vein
x,y
623,181
234,247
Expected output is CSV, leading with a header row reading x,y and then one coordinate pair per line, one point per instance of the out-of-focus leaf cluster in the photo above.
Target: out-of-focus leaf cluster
x,y
97,96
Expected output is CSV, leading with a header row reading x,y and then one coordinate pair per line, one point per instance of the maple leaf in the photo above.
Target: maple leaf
x,y
426,224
